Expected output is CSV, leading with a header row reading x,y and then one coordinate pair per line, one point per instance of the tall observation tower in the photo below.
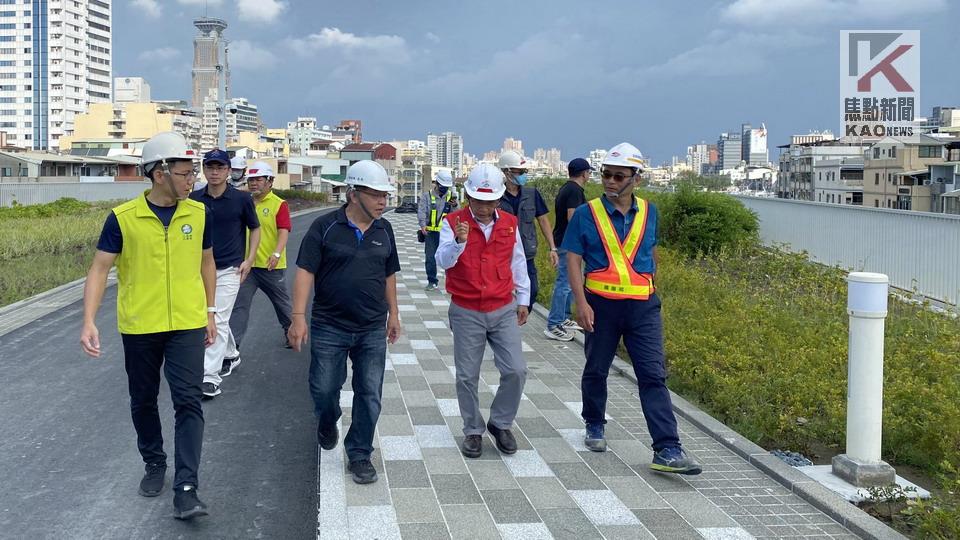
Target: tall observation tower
x,y
208,45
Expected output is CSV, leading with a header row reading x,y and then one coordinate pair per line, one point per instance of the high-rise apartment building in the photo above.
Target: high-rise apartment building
x,y
446,150
241,116
513,144
55,60
207,47
729,149
130,90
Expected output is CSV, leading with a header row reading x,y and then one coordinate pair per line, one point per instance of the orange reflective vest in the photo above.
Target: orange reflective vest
x,y
619,281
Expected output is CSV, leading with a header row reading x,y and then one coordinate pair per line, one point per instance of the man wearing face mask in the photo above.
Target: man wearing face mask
x,y
434,206
614,239
238,170
528,206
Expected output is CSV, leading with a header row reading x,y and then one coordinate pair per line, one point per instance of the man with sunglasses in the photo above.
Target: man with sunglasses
x,y
527,204
160,243
269,265
234,221
613,238
350,259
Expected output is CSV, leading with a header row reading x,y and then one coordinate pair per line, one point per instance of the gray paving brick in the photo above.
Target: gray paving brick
x,y
424,531
407,474
412,383
470,521
425,416
444,391
416,506
509,506
568,524
444,461
547,402
626,532
606,464
419,398
576,476
634,492
455,489
562,419
491,475
394,425
545,492
555,450
536,428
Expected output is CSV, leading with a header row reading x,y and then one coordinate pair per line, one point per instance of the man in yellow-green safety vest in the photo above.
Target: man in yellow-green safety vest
x,y
166,283
613,238
433,207
270,264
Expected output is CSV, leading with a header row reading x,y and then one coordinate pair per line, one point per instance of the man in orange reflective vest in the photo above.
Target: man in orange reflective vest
x,y
614,239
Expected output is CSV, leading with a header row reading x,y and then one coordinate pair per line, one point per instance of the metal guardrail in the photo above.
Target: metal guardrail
x,y
918,250
46,192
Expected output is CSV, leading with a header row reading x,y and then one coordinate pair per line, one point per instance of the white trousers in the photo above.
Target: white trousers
x,y
228,283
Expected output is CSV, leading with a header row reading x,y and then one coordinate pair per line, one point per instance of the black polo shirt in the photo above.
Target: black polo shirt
x,y
232,214
350,270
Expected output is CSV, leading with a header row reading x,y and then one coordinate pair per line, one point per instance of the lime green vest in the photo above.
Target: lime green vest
x,y
267,213
158,270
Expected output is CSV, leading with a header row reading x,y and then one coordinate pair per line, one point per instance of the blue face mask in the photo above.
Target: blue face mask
x,y
442,190
520,179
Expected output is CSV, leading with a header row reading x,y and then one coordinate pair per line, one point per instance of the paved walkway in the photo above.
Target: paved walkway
x,y
552,487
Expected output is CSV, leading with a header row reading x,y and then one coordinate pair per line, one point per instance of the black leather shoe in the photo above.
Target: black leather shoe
x,y
472,446
328,437
506,443
152,483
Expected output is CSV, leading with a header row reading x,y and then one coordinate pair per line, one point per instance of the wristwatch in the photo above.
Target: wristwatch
x,y
276,254
211,309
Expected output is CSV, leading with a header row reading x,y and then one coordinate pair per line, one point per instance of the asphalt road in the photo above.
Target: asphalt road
x,y
69,466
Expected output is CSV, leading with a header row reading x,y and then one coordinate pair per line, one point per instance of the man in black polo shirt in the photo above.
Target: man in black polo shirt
x,y
559,324
350,258
233,213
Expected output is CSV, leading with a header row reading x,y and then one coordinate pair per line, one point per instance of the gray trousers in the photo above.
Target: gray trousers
x,y
271,282
472,330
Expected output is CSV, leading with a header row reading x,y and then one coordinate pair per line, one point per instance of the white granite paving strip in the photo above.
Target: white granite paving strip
x,y
524,531
332,500
602,507
435,437
373,522
574,438
422,344
403,359
525,347
440,303
434,324
725,533
397,448
526,463
449,407
418,296
346,398
404,308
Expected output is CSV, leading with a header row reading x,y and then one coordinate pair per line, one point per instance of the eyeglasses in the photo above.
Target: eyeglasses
x,y
619,177
374,194
517,172
187,175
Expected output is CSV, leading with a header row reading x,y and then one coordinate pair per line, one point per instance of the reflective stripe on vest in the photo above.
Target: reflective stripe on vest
x,y
436,220
159,287
619,281
267,210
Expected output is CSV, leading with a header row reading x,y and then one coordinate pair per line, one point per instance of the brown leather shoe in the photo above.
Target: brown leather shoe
x,y
506,443
472,446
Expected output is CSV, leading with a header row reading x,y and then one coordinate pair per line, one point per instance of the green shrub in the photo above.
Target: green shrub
x,y
297,194
702,222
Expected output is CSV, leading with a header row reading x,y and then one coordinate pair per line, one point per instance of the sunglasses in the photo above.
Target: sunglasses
x,y
619,177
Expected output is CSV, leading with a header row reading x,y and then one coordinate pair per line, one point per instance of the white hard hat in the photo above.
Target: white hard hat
x,y
258,169
485,183
444,178
166,146
624,155
238,163
369,174
511,159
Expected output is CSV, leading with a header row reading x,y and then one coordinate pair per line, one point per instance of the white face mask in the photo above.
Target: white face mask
x,y
236,175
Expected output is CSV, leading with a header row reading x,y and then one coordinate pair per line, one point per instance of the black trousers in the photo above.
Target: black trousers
x,y
180,353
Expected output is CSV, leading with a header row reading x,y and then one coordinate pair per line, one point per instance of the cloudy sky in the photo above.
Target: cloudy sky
x,y
576,75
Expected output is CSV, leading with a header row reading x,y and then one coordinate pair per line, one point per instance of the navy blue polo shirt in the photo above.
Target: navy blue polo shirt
x,y
583,238
232,214
350,270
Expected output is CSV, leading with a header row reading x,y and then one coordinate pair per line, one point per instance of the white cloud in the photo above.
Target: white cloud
x,y
809,12
260,10
200,2
432,37
247,55
148,7
392,49
159,55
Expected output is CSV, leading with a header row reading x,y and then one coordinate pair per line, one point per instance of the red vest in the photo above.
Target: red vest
x,y
482,280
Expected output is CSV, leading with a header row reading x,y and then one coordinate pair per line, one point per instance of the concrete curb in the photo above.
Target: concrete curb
x,y
69,293
828,502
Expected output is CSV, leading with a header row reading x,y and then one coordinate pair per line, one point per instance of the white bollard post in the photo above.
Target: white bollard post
x,y
867,306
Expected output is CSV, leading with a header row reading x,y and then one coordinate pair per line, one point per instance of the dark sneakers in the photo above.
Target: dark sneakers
x,y
327,437
186,504
505,440
152,483
675,460
363,471
472,446
210,390
229,364
593,439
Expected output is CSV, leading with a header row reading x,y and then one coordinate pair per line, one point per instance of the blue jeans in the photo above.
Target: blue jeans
x,y
329,346
534,284
430,245
562,303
